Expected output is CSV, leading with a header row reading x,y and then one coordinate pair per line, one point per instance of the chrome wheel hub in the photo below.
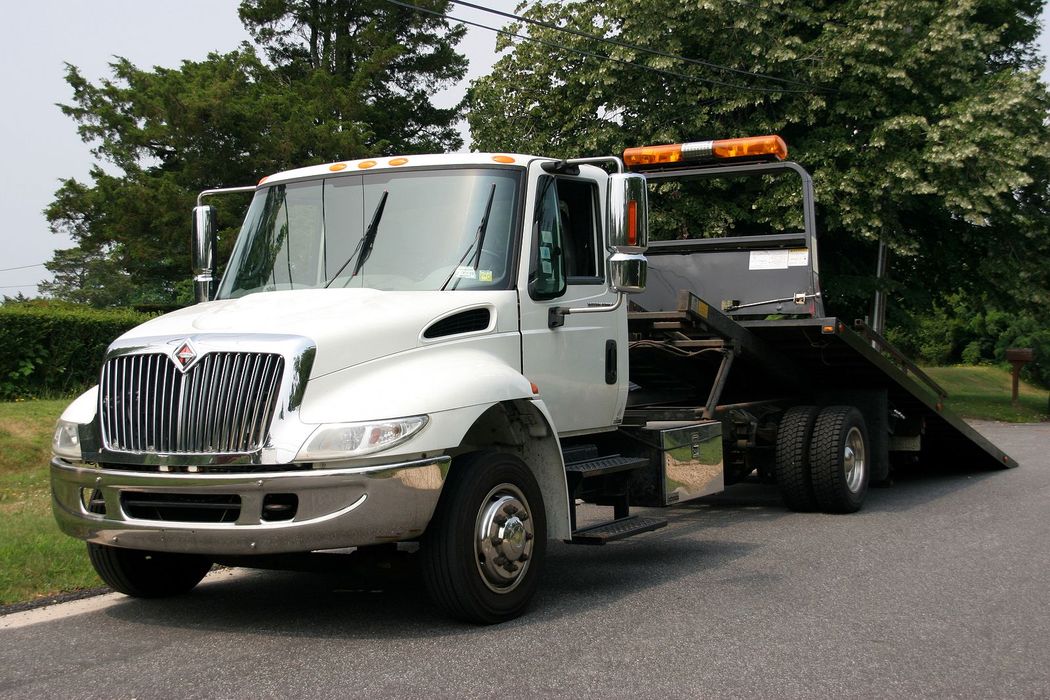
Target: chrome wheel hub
x,y
853,460
504,537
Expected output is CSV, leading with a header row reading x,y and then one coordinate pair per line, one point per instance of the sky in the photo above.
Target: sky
x,y
40,146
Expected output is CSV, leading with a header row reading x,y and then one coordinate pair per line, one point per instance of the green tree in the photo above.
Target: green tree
x,y
922,121
161,136
395,56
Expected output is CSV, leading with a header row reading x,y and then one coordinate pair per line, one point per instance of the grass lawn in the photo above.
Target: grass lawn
x,y
984,392
37,560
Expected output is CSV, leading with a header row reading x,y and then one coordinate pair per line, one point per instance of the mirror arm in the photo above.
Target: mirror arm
x,y
223,190
556,314
203,244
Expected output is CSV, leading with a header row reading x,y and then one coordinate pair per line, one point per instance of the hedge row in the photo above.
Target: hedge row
x,y
55,350
968,332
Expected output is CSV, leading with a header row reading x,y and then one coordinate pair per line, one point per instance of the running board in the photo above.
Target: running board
x,y
605,465
616,530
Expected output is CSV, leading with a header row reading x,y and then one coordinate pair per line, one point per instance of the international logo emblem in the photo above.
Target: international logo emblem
x,y
184,355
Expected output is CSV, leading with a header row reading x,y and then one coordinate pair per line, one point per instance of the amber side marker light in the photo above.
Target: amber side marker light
x,y
751,148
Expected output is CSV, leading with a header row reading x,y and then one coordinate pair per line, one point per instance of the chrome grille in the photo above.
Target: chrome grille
x,y
222,404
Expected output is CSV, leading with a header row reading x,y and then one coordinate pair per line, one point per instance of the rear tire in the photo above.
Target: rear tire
x,y
792,468
483,550
143,574
840,459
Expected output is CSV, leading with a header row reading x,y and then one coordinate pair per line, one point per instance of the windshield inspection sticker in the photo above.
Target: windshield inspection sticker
x,y
484,275
768,260
465,272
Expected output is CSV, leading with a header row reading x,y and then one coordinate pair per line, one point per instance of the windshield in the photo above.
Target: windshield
x,y
403,230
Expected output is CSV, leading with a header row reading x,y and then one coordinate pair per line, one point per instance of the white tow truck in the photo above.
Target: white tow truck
x,y
440,351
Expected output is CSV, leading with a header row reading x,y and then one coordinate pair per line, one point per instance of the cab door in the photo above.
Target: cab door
x,y
580,366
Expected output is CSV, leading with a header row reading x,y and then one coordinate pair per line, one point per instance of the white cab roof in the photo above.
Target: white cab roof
x,y
366,165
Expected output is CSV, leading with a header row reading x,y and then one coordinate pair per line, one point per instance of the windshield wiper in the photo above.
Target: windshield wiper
x,y
479,240
365,244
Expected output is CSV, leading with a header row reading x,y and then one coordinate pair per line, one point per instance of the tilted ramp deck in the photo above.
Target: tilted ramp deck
x,y
794,357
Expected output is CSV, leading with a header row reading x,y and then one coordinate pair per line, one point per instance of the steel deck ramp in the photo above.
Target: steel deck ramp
x,y
831,353
825,355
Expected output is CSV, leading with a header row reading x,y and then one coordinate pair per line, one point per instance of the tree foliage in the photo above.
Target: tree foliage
x,y
340,78
922,121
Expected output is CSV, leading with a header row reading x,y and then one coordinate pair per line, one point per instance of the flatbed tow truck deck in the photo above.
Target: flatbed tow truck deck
x,y
819,353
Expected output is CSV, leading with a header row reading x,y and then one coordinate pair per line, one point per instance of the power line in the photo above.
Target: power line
x,y
17,286
23,267
590,54
633,47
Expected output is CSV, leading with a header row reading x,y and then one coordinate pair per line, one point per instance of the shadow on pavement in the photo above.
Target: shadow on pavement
x,y
386,599
391,603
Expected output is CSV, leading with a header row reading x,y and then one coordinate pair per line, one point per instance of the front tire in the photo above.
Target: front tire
x,y
484,548
144,574
840,459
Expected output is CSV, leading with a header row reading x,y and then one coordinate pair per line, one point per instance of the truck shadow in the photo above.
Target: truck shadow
x,y
387,601
391,603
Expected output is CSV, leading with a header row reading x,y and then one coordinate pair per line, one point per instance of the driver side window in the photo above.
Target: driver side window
x,y
547,270
567,243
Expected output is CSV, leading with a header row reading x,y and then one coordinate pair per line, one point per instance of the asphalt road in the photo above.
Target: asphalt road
x,y
938,588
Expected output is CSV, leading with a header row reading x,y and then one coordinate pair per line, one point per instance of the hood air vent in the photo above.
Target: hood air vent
x,y
469,321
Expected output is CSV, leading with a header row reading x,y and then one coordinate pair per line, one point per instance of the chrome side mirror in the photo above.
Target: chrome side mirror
x,y
203,245
628,232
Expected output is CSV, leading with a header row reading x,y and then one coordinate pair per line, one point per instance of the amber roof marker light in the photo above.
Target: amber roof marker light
x,y
770,147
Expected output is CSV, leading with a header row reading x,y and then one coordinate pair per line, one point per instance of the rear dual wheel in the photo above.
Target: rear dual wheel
x,y
792,458
823,459
840,459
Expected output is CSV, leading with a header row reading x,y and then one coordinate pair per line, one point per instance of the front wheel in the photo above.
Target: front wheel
x,y
144,574
484,548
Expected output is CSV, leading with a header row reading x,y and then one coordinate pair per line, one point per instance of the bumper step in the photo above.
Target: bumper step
x,y
616,530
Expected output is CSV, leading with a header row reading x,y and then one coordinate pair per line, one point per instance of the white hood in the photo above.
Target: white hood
x,y
349,326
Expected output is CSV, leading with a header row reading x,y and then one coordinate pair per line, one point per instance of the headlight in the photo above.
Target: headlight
x,y
342,440
66,441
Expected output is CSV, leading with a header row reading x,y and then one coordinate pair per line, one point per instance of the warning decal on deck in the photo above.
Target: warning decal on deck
x,y
768,260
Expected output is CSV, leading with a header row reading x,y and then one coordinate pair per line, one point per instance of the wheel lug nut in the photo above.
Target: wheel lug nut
x,y
524,556
510,566
528,536
496,540
510,509
500,519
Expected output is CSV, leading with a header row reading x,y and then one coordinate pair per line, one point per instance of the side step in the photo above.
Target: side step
x,y
605,465
616,530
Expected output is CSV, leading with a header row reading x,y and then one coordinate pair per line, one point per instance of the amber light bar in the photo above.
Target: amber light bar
x,y
750,147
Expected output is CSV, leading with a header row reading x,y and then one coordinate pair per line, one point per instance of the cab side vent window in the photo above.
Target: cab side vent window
x,y
463,322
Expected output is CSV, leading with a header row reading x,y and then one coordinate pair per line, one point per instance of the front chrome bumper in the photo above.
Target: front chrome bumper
x,y
336,507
